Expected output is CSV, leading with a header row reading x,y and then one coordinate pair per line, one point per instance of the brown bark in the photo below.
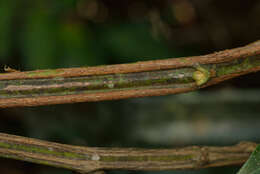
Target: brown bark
x,y
222,66
90,159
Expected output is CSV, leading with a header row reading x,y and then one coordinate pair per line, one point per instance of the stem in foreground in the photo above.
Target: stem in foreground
x,y
88,159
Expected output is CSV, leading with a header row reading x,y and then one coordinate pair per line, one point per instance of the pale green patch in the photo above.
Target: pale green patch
x,y
168,158
110,85
41,150
201,76
237,67
43,73
184,60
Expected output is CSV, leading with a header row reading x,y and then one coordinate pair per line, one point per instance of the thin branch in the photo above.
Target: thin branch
x,y
88,159
111,82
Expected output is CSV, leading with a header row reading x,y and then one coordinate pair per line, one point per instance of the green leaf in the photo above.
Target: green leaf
x,y
252,166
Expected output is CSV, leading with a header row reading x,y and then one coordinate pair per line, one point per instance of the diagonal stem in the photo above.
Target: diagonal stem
x,y
111,82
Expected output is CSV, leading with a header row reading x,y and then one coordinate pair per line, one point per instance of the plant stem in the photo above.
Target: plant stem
x,y
88,159
150,78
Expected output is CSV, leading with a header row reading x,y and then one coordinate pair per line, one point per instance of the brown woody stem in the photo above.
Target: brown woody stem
x,y
150,78
88,159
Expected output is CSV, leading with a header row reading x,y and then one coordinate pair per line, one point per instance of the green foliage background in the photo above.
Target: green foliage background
x,y
49,34
44,34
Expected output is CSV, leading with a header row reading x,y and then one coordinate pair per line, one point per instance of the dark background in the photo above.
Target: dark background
x,y
43,34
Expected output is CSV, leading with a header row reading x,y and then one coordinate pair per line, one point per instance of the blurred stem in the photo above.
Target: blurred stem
x,y
89,159
111,82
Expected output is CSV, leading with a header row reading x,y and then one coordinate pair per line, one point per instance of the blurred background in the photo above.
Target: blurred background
x,y
44,34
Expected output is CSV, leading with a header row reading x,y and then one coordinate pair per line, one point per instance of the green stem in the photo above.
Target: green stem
x,y
174,78
150,78
92,84
87,159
